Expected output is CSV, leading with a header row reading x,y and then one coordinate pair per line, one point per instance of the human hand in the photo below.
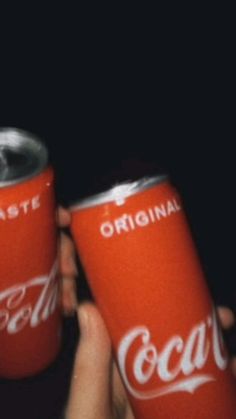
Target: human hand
x,y
67,265
96,388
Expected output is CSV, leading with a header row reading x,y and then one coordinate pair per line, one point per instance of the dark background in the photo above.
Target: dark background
x,y
162,97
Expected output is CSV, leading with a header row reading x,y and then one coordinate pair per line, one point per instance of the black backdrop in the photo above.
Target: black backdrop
x,y
131,88
134,98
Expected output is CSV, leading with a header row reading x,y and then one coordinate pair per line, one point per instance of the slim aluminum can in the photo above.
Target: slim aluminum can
x,y
141,262
30,321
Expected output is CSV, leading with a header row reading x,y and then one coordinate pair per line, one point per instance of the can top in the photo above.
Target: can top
x,y
22,156
119,192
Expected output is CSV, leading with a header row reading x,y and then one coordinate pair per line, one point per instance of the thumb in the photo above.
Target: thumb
x,y
90,391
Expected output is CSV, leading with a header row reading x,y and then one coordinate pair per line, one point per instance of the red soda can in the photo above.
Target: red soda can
x,y
139,257
30,321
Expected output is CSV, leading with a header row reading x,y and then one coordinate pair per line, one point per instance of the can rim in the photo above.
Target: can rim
x,y
19,140
118,193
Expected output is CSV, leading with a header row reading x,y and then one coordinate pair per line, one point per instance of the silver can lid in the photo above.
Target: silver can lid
x,y
120,192
22,156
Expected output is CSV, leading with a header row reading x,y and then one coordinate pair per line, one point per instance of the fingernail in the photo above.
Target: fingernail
x,y
70,306
83,322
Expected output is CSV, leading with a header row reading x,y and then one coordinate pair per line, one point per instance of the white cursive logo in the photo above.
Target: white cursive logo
x,y
14,316
149,361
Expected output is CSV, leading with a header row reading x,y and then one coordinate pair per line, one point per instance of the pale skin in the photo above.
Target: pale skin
x,y
97,392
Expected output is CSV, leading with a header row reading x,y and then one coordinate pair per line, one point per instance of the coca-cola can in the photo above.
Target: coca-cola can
x,y
30,319
141,262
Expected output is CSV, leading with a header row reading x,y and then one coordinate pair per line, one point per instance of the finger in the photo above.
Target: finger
x,y
226,317
68,266
119,393
63,217
90,390
68,271
68,298
121,405
129,413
